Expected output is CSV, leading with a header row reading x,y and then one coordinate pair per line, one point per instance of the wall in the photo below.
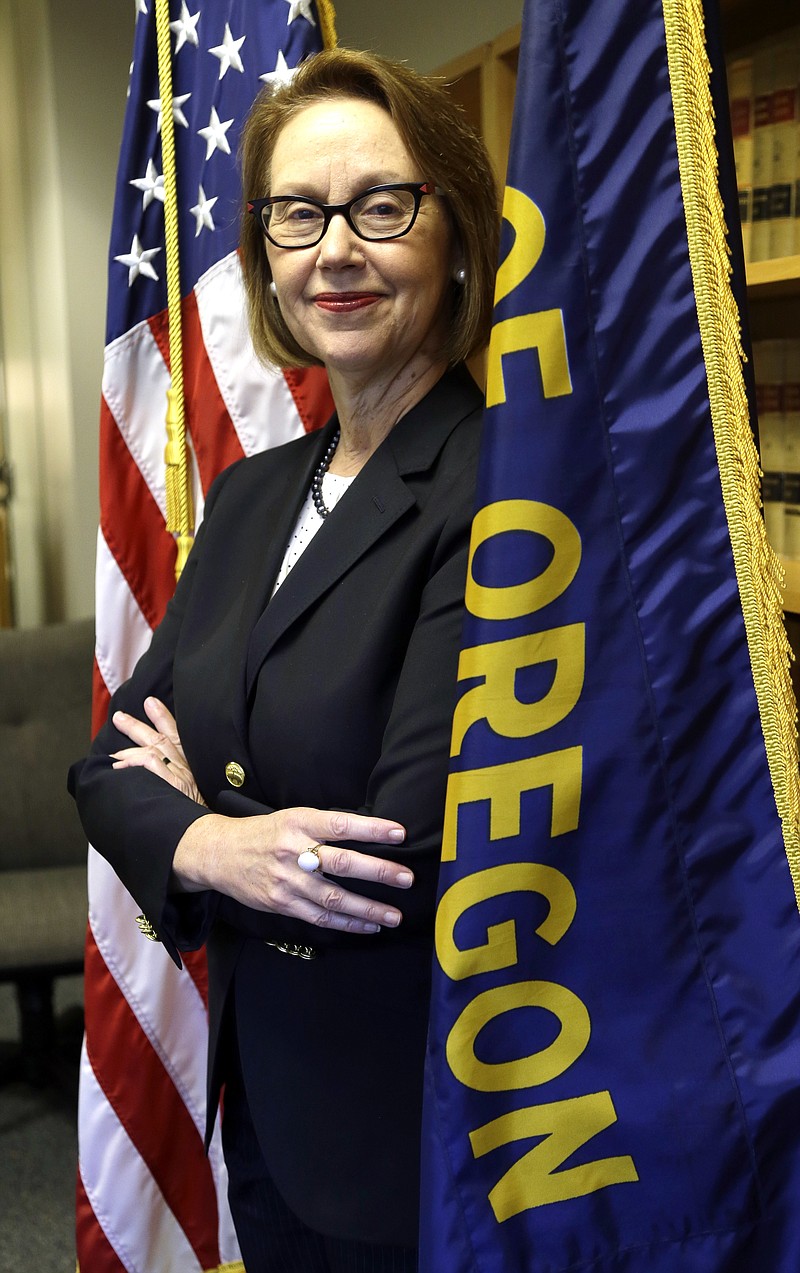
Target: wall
x,y
425,34
63,72
92,45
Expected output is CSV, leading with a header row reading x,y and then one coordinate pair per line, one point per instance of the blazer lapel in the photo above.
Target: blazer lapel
x,y
365,512
372,505
273,518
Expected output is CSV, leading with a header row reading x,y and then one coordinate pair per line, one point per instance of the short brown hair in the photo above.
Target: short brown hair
x,y
435,131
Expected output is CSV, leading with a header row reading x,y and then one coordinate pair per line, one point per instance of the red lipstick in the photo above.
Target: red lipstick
x,y
345,302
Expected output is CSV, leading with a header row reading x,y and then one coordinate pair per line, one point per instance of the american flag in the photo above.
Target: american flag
x,y
148,1199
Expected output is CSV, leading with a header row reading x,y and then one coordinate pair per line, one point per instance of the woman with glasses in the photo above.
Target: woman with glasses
x,y
272,778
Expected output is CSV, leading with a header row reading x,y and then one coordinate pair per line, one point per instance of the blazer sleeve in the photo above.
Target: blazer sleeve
x,y
131,816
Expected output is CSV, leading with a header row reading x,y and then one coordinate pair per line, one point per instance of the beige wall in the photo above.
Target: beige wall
x,y
63,79
426,33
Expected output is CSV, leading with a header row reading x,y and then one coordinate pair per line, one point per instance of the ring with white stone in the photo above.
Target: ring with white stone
x,y
309,859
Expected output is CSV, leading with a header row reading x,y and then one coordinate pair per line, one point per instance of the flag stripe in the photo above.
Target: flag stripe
x,y
147,560
122,631
127,1202
170,1007
259,404
179,1167
135,384
97,1251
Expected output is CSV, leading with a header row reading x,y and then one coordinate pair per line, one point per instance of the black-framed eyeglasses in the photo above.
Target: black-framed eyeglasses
x,y
382,212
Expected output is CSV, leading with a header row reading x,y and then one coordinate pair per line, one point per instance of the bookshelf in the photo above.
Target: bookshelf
x,y
483,81
778,277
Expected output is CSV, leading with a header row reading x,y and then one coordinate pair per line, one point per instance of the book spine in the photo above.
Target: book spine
x,y
783,115
791,420
796,244
762,152
769,360
740,90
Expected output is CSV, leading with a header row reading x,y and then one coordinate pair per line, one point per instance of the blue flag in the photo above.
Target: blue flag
x,y
613,1074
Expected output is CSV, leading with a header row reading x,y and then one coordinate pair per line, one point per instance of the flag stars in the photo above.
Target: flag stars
x,y
214,134
228,52
177,113
137,261
151,185
282,74
300,9
202,212
185,28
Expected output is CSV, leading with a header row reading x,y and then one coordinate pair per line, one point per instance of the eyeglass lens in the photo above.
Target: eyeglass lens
x,y
379,214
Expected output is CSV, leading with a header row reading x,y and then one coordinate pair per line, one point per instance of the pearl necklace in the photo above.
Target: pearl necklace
x,y
321,470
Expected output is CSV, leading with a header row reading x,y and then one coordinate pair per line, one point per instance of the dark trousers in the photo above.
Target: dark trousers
x,y
271,1237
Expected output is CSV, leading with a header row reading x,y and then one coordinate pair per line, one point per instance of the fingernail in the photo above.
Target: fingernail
x,y
405,879
392,918
372,928
397,835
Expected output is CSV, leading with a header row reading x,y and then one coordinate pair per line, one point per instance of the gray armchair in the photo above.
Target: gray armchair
x,y
45,715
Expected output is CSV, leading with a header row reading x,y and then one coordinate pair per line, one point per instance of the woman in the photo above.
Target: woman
x,y
309,656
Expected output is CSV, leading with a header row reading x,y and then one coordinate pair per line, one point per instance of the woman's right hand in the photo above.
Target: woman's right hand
x,y
254,861
157,748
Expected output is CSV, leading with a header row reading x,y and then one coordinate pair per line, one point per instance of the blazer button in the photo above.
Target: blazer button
x,y
234,773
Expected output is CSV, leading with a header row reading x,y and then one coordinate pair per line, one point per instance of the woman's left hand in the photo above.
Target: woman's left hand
x,y
157,749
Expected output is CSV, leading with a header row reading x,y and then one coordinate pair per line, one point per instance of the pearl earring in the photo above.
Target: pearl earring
x,y
273,291
460,277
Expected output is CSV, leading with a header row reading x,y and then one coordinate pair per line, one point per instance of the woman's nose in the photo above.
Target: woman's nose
x,y
339,245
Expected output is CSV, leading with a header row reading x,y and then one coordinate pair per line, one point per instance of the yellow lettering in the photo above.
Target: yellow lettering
x,y
500,948
528,225
534,1181
513,601
498,663
503,785
543,332
525,1071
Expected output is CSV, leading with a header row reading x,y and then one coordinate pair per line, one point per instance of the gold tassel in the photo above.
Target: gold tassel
x,y
180,510
327,23
758,570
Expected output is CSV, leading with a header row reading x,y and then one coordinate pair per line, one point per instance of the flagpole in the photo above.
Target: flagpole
x,y
180,510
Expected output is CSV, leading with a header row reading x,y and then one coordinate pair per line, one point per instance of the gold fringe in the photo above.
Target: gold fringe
x,y
327,23
758,571
180,510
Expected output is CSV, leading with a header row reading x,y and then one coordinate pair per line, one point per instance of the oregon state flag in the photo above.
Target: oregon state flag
x,y
613,1079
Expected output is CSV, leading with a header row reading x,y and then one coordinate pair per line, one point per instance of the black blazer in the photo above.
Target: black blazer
x,y
337,693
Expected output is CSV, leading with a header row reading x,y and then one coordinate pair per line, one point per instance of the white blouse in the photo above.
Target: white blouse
x,y
309,522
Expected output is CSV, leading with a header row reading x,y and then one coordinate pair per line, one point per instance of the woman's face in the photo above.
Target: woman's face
x,y
366,310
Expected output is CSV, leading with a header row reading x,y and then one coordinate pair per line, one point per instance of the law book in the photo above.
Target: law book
x,y
740,93
769,362
796,245
762,151
783,129
791,426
